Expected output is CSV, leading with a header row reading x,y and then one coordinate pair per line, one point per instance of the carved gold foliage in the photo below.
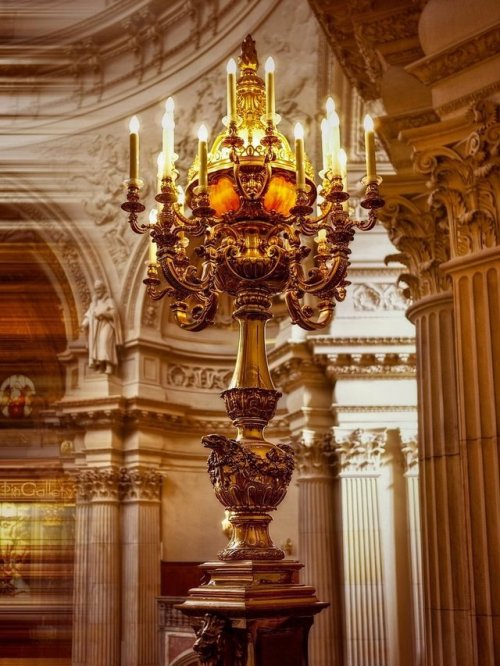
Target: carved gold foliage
x,y
464,180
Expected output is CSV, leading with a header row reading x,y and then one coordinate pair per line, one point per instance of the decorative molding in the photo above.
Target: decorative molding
x,y
391,126
360,452
330,341
296,371
467,101
457,58
315,456
378,296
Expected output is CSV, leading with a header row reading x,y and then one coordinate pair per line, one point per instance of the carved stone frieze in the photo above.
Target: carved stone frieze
x,y
193,376
422,238
378,296
371,365
458,57
464,179
360,452
140,484
314,457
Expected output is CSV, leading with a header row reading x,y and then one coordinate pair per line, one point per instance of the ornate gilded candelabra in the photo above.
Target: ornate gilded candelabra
x,y
251,199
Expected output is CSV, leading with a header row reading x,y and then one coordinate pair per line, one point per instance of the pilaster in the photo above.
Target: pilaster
x,y
364,599
140,491
318,548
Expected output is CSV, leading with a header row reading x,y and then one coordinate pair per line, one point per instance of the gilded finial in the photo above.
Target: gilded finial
x,y
248,57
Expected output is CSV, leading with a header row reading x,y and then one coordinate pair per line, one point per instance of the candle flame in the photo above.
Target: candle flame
x,y
170,105
134,125
203,133
330,106
334,119
298,131
153,216
167,120
269,65
368,123
231,66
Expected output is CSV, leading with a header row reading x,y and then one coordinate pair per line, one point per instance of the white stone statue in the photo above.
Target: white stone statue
x,y
103,327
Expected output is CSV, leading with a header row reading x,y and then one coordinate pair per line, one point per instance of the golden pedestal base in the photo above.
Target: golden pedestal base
x,y
252,613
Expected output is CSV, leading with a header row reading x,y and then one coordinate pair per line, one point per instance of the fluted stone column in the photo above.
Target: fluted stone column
x,y
317,542
364,603
476,290
140,565
448,629
409,449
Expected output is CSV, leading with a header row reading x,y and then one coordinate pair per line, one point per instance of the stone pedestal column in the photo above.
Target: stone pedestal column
x,y
448,629
317,544
365,610
140,565
476,292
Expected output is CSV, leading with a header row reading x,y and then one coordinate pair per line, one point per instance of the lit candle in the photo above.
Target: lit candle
x,y
270,100
371,171
231,89
153,218
134,147
334,123
203,156
330,107
325,141
299,156
168,125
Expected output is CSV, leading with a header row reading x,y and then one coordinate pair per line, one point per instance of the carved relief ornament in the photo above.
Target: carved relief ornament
x,y
464,179
113,483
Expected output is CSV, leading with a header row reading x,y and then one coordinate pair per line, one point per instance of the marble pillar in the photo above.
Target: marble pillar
x,y
79,646
140,565
360,462
317,543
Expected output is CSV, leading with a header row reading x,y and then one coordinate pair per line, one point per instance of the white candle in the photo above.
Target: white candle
x,y
343,173
231,89
371,170
270,97
168,125
335,144
325,143
299,156
134,147
203,156
153,217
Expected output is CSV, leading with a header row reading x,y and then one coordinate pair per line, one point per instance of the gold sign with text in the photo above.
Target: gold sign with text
x,y
37,490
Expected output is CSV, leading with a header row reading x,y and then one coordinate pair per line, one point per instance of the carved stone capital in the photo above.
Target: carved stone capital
x,y
464,180
140,484
409,449
314,457
422,237
360,452
96,484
